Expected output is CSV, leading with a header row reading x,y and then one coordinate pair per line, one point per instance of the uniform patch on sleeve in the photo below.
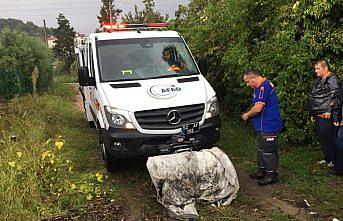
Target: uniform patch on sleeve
x,y
261,92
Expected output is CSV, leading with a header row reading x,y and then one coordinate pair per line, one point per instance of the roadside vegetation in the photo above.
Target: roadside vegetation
x,y
25,64
54,163
279,38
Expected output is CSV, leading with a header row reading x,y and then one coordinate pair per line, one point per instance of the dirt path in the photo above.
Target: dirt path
x,y
265,197
139,201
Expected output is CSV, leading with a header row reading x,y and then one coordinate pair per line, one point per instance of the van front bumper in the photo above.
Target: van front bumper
x,y
125,143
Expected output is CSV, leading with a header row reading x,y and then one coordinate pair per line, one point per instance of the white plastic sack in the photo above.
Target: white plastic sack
x,y
183,179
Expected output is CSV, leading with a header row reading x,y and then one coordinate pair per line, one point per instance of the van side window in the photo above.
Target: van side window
x,y
91,62
83,58
85,61
78,60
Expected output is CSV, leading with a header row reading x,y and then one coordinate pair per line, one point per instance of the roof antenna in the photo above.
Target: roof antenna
x,y
110,9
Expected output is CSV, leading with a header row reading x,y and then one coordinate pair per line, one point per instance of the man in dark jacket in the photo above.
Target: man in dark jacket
x,y
326,108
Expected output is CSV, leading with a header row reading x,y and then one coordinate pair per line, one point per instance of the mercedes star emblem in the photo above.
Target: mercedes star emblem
x,y
174,117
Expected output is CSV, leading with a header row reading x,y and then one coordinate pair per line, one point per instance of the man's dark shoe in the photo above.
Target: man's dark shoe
x,y
269,179
257,175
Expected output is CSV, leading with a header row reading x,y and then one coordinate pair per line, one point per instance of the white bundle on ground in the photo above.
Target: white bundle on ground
x,y
183,179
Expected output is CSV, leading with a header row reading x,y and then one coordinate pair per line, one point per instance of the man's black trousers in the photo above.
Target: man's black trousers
x,y
327,134
268,152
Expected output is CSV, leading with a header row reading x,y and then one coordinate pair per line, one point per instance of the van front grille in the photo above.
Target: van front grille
x,y
167,118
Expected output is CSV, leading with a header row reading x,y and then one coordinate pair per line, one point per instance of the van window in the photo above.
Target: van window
x,y
144,58
83,57
91,61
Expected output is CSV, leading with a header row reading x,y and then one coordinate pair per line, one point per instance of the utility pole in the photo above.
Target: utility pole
x,y
110,9
45,33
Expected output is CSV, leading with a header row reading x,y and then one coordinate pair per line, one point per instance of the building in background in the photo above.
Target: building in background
x,y
79,39
51,41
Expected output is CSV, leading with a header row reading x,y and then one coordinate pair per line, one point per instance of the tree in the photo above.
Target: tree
x,y
105,12
277,37
30,28
147,15
20,56
137,18
64,48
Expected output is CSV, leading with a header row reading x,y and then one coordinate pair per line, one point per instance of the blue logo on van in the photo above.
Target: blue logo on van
x,y
170,89
163,91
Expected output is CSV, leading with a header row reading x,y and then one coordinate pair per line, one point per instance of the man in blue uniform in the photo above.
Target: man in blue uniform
x,y
267,125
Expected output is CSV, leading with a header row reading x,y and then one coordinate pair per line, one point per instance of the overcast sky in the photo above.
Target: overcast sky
x,y
81,13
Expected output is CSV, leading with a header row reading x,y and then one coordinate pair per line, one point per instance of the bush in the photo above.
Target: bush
x,y
19,55
279,38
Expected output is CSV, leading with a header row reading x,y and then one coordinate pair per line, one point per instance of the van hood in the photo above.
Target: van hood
x,y
157,93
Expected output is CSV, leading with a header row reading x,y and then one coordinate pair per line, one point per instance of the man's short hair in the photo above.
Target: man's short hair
x,y
323,63
252,72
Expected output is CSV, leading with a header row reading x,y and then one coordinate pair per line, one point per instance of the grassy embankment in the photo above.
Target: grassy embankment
x,y
54,164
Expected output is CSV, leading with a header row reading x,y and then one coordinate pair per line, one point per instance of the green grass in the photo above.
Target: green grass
x,y
66,78
32,188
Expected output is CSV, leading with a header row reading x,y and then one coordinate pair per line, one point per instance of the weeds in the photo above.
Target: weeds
x,y
50,168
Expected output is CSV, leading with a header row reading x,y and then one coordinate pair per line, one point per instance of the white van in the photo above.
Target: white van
x,y
145,94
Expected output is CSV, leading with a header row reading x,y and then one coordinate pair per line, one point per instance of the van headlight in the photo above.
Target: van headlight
x,y
213,108
118,118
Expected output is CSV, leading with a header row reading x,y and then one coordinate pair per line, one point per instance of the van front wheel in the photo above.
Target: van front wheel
x,y
112,164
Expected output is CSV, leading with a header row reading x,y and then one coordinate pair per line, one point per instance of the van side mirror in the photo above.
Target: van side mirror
x,y
202,64
84,78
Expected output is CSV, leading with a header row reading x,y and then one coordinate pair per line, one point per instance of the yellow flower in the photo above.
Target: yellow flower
x,y
59,144
89,197
99,177
51,185
19,154
70,169
11,163
73,186
52,162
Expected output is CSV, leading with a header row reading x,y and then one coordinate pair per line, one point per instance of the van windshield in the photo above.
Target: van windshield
x,y
143,58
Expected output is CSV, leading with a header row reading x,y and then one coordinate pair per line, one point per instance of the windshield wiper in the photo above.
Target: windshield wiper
x,y
157,77
166,76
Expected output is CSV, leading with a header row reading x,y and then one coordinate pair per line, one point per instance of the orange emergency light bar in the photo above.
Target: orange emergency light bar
x,y
124,27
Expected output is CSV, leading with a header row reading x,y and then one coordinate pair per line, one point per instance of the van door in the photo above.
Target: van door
x,y
90,90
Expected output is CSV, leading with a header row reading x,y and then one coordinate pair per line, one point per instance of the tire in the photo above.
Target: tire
x,y
112,164
91,124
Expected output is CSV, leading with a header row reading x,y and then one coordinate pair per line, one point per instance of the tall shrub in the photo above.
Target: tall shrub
x,y
280,38
19,54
